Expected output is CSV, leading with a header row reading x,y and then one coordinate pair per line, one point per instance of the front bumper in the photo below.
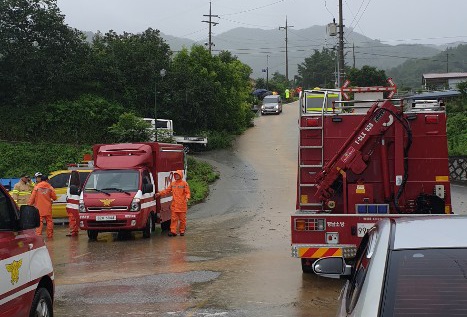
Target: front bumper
x,y
114,221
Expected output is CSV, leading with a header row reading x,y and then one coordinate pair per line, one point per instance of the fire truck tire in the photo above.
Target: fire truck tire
x,y
92,234
148,228
153,221
41,304
165,226
307,265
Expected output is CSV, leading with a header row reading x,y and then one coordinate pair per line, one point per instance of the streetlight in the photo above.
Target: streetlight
x,y
162,73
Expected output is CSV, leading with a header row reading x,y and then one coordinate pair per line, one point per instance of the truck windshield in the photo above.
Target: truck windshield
x,y
113,181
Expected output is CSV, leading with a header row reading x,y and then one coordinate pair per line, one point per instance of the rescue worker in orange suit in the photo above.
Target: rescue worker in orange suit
x,y
181,194
42,196
22,190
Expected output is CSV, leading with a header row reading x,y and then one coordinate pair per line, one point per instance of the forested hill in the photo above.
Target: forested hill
x,y
409,74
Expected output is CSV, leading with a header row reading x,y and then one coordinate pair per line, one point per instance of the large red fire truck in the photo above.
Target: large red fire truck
x,y
362,160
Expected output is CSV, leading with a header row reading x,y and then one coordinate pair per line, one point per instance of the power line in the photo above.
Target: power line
x,y
254,9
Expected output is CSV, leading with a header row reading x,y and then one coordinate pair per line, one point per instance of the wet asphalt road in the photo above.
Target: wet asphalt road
x,y
234,260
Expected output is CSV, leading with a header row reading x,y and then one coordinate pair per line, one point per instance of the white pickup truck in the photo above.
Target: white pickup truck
x,y
190,143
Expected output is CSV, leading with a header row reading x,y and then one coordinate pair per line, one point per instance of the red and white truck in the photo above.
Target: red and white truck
x,y
119,194
360,161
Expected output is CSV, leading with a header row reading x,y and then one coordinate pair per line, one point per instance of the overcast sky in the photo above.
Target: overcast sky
x,y
391,21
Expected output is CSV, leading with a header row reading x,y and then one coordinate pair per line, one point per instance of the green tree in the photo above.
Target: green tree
x,y
318,70
366,76
82,121
41,58
126,67
131,128
207,93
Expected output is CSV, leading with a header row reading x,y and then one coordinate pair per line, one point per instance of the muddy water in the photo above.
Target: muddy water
x,y
234,260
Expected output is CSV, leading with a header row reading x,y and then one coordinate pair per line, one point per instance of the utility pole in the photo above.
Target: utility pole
x,y
286,27
210,44
447,61
353,53
267,72
341,72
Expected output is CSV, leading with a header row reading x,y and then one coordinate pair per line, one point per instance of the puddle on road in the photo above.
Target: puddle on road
x,y
145,289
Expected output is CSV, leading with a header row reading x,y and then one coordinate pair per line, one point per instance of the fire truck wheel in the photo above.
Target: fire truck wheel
x,y
41,304
153,221
92,234
165,226
307,265
148,228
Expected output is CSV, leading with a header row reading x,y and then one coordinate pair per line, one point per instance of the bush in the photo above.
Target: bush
x,y
24,157
219,140
200,175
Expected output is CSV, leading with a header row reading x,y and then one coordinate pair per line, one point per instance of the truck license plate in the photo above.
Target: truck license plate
x,y
363,228
106,218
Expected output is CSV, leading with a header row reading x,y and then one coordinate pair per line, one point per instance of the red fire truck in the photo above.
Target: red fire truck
x,y
119,194
362,160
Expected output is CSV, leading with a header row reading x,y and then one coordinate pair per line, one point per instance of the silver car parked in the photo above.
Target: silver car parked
x,y
272,104
410,266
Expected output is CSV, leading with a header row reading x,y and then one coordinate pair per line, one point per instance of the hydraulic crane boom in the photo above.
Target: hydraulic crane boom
x,y
377,121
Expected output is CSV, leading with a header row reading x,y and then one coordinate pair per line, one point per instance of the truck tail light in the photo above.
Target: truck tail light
x,y
312,122
300,224
135,205
310,224
431,119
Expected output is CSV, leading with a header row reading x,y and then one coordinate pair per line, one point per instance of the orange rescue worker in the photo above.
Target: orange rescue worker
x,y
42,196
181,194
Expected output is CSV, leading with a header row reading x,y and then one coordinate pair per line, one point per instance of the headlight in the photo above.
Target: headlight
x,y
135,205
276,107
81,207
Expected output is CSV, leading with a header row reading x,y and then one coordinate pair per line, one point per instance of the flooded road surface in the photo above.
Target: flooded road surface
x,y
234,260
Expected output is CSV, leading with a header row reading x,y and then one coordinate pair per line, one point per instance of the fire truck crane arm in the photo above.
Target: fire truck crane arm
x,y
377,121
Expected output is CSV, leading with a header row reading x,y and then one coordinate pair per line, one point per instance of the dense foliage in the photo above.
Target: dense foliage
x,y
24,157
367,76
457,122
318,70
409,74
57,87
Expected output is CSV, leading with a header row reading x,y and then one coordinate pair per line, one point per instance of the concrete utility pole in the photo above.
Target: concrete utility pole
x,y
286,27
210,44
341,71
266,70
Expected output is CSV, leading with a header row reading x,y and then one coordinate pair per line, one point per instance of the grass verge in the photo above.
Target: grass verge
x,y
200,175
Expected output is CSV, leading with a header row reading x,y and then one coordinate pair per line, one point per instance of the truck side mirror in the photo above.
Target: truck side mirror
x,y
28,217
74,190
147,188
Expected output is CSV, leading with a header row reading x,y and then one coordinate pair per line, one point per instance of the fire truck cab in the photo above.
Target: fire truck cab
x,y
363,160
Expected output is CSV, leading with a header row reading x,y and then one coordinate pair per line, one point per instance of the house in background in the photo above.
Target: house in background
x,y
443,80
